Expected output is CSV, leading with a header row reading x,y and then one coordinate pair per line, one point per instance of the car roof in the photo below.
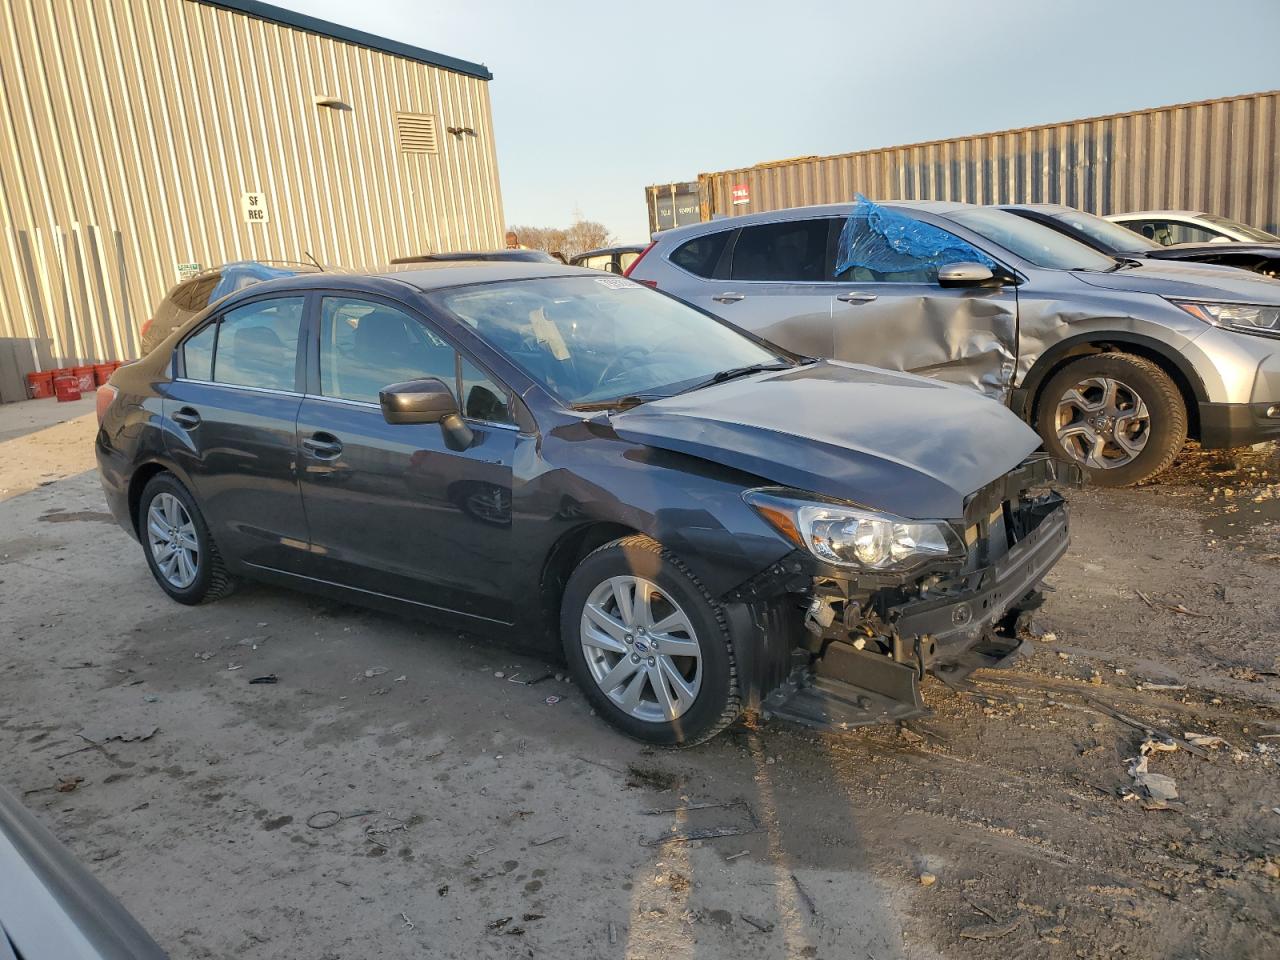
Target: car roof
x,y
1040,207
940,207
620,248
429,276
1156,213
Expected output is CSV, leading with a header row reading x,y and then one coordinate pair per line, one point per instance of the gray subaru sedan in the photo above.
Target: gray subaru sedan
x,y
1114,361
694,519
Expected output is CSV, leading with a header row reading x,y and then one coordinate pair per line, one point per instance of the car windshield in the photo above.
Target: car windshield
x,y
1110,235
1034,242
1235,226
594,339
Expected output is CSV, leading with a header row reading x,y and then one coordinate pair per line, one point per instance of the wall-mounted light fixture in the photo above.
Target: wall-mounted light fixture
x,y
459,131
325,100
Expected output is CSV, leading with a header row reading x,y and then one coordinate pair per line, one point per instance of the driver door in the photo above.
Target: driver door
x,y
903,319
392,508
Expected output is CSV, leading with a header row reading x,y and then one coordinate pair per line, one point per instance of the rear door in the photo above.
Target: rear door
x,y
231,415
895,314
392,508
776,284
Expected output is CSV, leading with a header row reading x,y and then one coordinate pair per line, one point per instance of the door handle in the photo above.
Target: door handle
x,y
855,296
729,297
323,446
188,418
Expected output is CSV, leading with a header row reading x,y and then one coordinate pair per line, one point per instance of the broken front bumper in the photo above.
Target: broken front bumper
x,y
937,633
835,650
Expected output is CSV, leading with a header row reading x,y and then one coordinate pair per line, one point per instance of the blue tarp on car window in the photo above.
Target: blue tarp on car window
x,y
877,243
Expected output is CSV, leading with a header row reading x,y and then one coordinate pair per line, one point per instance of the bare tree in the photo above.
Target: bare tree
x,y
579,237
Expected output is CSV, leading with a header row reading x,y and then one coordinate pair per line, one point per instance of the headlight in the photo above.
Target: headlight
x,y
846,536
1245,317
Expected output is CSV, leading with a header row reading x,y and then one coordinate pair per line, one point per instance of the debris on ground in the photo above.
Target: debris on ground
x,y
990,931
762,925
1156,786
100,735
805,895
613,932
407,922
269,678
1206,740
552,700
374,672
928,879
687,832
651,778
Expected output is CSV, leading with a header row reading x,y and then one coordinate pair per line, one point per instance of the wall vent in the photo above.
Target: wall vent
x,y
416,133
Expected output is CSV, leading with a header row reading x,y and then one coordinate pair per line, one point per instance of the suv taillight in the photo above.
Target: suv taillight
x,y
634,263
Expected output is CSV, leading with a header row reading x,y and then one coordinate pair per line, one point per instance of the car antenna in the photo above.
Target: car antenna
x,y
307,254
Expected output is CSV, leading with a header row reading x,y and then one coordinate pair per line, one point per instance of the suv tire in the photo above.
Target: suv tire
x,y
1118,416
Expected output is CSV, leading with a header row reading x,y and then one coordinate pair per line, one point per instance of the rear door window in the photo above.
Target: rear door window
x,y
701,254
257,344
793,251
197,354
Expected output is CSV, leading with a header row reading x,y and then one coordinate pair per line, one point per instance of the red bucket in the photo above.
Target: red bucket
x,y
40,385
102,372
85,376
66,387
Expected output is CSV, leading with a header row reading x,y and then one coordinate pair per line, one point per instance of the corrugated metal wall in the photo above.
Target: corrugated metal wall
x,y
130,129
1222,156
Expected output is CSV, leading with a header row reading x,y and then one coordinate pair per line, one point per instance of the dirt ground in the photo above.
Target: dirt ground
x,y
396,795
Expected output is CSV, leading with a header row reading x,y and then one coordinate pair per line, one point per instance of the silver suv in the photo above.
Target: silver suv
x,y
1115,362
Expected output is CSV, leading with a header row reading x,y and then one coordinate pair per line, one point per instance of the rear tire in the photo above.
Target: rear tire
x,y
176,541
648,645
1121,418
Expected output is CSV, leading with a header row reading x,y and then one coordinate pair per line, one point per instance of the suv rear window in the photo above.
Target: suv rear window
x,y
701,254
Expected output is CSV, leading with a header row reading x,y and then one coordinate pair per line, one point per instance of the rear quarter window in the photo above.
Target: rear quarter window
x,y
701,254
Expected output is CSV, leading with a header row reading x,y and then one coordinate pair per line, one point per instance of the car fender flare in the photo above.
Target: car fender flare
x,y
141,476
1022,398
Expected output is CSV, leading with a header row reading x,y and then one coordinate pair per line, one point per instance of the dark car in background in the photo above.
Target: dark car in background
x,y
51,908
610,259
195,293
1116,362
694,519
1109,237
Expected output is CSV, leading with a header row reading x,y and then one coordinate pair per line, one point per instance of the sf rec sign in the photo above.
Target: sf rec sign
x,y
253,207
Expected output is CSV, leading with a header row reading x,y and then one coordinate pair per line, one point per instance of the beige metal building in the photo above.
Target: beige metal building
x,y
1220,156
141,140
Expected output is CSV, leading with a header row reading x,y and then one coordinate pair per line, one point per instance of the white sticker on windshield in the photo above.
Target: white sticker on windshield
x,y
618,283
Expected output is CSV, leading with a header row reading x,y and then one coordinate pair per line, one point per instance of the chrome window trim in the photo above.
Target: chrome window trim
x,y
240,386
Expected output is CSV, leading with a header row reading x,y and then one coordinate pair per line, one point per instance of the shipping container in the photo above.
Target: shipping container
x,y
1220,156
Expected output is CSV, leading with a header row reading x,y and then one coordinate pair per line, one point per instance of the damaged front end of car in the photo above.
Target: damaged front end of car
x,y
841,632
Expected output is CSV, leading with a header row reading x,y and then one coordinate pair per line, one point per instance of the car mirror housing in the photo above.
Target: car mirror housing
x,y
967,275
417,401
426,401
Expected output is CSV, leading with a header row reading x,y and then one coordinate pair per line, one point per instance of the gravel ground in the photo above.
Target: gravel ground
x,y
393,796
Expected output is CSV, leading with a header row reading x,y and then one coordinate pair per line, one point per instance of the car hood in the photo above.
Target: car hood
x,y
1197,281
890,441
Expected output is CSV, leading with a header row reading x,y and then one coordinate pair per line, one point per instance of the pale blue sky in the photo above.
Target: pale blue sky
x,y
593,101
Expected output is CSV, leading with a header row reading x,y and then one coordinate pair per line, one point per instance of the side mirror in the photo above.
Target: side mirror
x,y
966,275
426,401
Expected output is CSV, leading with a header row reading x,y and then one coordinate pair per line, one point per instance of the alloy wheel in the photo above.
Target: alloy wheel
x,y
641,649
1103,423
171,535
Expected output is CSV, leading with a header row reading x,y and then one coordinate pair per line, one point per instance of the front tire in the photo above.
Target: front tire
x,y
176,541
1121,418
648,645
